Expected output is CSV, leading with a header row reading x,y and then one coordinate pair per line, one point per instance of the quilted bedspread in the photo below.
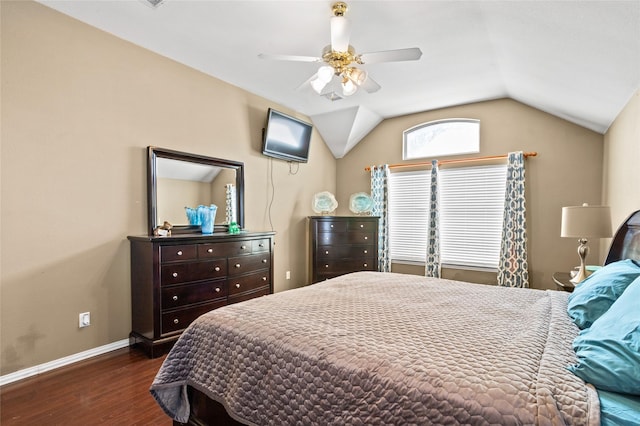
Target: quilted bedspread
x,y
374,348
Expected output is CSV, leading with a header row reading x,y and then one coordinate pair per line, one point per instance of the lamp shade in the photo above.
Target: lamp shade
x,y
586,221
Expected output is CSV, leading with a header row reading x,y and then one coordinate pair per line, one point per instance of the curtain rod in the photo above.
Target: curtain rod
x,y
458,160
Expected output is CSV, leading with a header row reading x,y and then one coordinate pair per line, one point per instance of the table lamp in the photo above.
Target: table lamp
x,y
584,222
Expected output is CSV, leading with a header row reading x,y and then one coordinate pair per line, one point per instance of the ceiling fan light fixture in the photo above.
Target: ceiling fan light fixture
x,y
317,84
348,87
325,73
322,78
356,75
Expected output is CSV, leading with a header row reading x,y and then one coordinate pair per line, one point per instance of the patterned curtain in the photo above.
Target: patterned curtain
x,y
513,267
432,267
380,196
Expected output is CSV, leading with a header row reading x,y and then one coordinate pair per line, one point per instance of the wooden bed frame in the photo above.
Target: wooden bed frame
x,y
204,411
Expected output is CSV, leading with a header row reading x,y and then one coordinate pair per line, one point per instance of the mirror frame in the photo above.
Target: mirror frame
x,y
152,185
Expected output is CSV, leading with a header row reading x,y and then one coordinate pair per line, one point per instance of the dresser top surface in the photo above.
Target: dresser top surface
x,y
343,217
198,237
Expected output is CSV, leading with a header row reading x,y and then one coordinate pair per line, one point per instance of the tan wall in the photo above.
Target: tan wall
x,y
79,106
567,171
621,162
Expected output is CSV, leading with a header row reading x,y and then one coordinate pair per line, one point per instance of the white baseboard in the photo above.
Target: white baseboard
x,y
61,362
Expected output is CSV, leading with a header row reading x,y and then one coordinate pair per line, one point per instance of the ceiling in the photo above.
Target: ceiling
x,y
578,60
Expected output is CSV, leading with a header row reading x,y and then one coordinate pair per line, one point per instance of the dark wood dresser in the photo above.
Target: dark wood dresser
x,y
176,279
342,244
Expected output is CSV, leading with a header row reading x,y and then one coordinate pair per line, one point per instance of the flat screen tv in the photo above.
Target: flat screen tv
x,y
286,137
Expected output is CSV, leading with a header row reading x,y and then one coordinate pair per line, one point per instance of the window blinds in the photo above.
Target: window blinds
x,y
471,210
408,215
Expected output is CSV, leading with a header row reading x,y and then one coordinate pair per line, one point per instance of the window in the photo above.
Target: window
x,y
440,138
471,206
408,215
471,210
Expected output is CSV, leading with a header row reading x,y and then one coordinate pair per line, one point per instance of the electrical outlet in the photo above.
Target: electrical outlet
x,y
288,275
84,319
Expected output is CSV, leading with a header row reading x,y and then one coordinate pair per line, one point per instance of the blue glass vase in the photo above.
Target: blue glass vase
x,y
207,217
193,216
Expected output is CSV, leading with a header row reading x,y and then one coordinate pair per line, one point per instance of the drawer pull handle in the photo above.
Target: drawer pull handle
x,y
237,285
264,260
361,226
175,297
217,269
326,252
243,247
179,253
175,321
210,250
175,275
237,265
217,289
332,225
261,245
326,266
366,251
366,238
365,265
264,278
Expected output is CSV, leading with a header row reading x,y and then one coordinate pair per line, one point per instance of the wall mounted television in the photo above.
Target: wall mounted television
x,y
286,137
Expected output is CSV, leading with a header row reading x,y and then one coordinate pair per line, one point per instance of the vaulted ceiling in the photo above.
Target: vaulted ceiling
x,y
578,60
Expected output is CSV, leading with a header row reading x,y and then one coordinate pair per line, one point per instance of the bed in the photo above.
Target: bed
x,y
373,348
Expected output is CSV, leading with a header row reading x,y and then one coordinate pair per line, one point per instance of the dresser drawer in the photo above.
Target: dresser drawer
x,y
244,264
323,276
174,297
258,246
349,265
363,225
178,253
239,247
333,226
248,282
347,251
175,273
356,237
179,319
211,251
224,249
248,296
216,268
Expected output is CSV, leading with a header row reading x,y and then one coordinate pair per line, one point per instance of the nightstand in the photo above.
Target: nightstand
x,y
562,280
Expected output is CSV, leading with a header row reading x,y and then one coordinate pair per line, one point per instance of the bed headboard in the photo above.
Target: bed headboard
x,y
626,242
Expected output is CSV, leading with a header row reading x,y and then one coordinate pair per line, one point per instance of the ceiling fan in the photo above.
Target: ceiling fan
x,y
338,77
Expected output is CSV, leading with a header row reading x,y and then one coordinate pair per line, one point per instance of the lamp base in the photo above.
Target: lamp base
x,y
579,276
583,251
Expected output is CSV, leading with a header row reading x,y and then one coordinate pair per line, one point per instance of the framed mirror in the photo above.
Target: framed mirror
x,y
177,180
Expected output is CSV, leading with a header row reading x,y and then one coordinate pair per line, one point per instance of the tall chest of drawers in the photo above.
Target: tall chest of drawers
x,y
176,279
342,244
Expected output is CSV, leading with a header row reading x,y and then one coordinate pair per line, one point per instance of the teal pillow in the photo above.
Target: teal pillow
x,y
593,296
608,352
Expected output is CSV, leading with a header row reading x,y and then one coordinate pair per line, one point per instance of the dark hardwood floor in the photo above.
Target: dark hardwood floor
x,y
110,389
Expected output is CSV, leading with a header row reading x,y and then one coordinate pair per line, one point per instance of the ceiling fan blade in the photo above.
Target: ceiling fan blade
x,y
340,33
409,54
289,58
370,85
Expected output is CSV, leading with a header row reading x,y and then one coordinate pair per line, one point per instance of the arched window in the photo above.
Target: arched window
x,y
441,138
